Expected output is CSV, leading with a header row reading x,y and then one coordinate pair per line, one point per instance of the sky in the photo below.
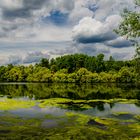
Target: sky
x,y
35,29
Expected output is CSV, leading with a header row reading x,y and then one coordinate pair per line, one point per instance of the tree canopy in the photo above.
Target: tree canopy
x,y
76,68
130,27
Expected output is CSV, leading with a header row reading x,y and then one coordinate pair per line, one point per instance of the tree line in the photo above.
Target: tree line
x,y
76,68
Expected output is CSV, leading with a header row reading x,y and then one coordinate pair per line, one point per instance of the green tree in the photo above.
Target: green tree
x,y
130,27
100,63
44,63
2,71
15,74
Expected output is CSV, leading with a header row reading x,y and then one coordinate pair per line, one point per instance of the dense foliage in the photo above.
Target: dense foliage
x,y
77,68
130,27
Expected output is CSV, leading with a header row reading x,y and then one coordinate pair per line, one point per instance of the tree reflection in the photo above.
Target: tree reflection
x,y
71,91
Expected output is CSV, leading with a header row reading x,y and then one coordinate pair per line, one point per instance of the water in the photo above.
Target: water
x,y
70,91
39,91
94,101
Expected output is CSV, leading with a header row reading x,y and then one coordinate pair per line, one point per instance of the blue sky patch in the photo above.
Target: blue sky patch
x,y
56,17
93,7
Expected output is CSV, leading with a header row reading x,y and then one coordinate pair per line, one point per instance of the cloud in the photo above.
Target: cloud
x,y
10,4
93,49
29,52
79,11
123,53
111,7
46,25
24,20
90,30
35,57
13,9
122,56
14,59
35,20
22,9
29,58
119,42
93,7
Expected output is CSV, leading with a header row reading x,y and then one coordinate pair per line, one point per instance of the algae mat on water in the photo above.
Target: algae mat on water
x,y
12,104
71,126
78,127
83,104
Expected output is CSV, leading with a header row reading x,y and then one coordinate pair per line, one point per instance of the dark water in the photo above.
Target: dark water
x,y
70,91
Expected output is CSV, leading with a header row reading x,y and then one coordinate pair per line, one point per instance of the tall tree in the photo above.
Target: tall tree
x,y
130,27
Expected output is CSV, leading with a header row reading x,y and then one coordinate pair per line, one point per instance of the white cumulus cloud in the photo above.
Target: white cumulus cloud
x,y
90,30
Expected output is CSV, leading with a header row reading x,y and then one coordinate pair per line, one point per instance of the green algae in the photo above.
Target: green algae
x,y
109,128
13,120
121,113
53,102
137,117
72,125
77,127
81,104
14,128
79,119
12,104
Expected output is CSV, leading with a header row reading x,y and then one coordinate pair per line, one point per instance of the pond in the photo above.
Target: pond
x,y
69,111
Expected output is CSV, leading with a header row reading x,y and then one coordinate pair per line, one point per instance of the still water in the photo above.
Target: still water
x,y
96,96
70,91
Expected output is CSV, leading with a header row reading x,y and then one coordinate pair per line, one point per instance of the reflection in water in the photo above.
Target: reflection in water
x,y
118,107
37,112
71,91
119,110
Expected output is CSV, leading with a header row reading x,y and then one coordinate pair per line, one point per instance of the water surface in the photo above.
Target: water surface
x,y
53,117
